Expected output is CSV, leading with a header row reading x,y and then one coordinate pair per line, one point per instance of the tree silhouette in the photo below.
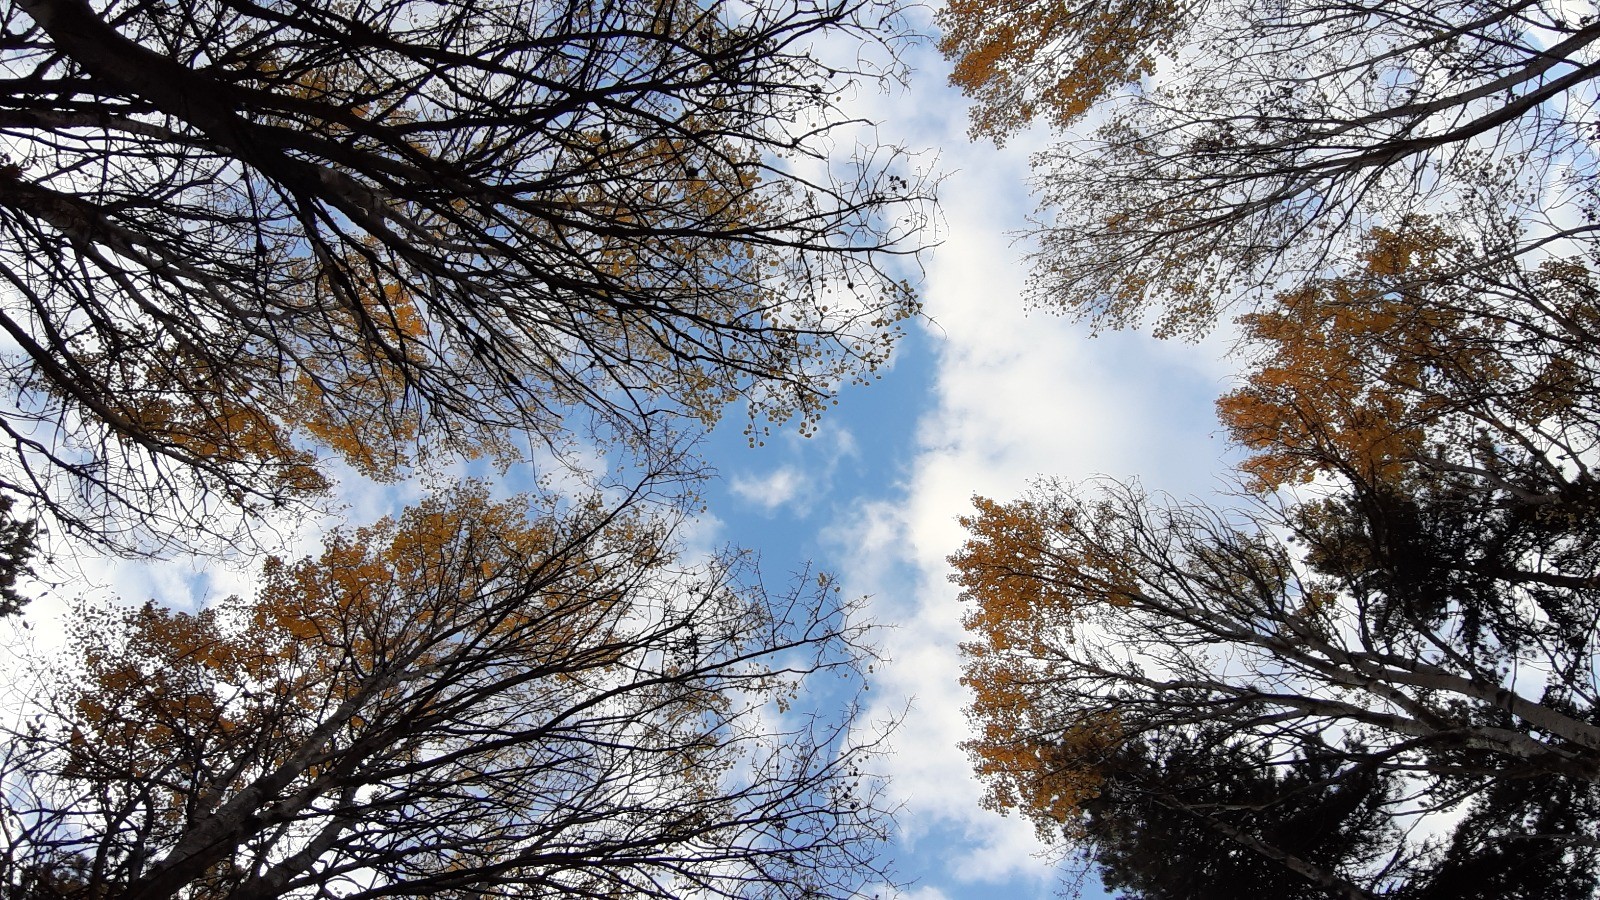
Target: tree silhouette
x,y
239,239
1416,541
1223,149
471,699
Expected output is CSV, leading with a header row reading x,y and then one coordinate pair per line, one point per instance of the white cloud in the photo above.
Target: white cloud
x,y
920,892
1017,395
771,491
808,477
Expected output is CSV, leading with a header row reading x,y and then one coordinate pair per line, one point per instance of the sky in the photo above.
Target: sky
x,y
982,396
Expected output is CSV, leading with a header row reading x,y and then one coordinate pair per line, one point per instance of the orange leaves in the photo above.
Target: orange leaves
x,y
1053,778
1029,762
350,393
1352,369
247,416
221,418
1035,569
1032,565
455,579
999,567
455,575
1052,58
386,588
150,697
1442,394
1422,357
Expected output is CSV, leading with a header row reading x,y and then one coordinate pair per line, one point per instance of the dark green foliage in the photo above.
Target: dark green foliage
x,y
1159,828
1521,840
1193,817
18,543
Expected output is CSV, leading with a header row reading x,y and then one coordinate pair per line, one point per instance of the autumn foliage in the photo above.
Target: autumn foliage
x,y
519,696
1050,59
1421,360
1414,529
1388,630
1208,155
389,235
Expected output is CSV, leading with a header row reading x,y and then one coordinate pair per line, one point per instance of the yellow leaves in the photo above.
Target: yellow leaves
x,y
1056,58
219,416
1351,368
1033,568
1043,770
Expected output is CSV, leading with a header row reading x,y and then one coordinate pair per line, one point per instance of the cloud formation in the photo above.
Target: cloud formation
x,y
1015,394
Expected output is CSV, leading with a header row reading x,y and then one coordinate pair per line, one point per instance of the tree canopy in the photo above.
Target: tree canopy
x,y
529,698
1225,149
1400,603
247,246
1176,814
1190,814
239,241
1408,596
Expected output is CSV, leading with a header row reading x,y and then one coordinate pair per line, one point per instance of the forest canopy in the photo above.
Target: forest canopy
x,y
242,242
247,249
529,697
1370,671
1213,153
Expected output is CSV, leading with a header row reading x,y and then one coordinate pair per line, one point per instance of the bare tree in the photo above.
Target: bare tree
x,y
1234,147
238,237
469,700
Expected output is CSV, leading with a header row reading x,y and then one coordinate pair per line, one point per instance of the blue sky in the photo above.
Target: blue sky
x,y
982,397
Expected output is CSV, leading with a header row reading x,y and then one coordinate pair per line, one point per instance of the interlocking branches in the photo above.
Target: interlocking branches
x,y
1232,148
470,699
239,237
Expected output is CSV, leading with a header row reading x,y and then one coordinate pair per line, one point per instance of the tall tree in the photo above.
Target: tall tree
x,y
18,543
237,239
1189,816
1410,596
468,700
1228,146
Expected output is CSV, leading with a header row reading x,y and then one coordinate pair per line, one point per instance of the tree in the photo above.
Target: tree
x,y
239,239
467,700
1232,148
1144,619
1188,817
1407,592
1519,840
18,543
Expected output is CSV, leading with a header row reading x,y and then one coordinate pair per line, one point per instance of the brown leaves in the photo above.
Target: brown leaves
x,y
472,692
1398,364
1444,400
401,236
1034,570
1054,59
